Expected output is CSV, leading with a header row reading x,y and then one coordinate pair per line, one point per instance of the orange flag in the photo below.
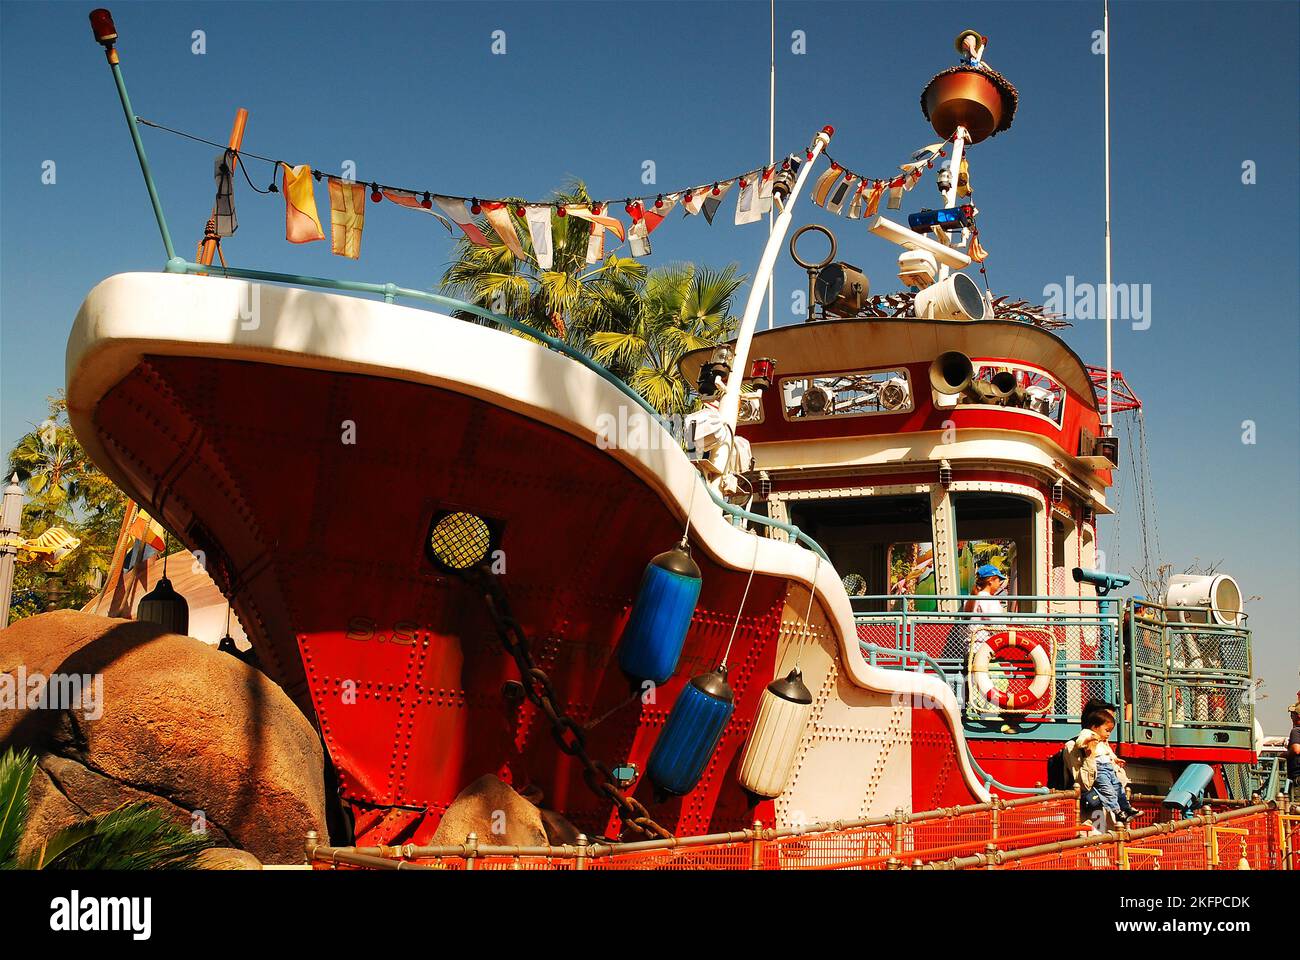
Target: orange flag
x,y
347,217
873,199
301,224
499,216
584,213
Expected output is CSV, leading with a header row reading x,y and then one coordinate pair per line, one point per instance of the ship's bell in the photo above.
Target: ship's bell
x,y
167,608
652,641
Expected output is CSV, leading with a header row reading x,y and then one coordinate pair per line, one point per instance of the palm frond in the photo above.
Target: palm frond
x,y
16,770
135,836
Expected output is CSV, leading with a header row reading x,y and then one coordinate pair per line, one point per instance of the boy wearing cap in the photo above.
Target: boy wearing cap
x,y
988,584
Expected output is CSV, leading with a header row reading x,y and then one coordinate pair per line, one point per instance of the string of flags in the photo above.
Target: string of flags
x,y
754,196
839,190
847,193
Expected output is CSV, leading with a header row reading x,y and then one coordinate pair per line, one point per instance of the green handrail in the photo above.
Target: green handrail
x,y
989,781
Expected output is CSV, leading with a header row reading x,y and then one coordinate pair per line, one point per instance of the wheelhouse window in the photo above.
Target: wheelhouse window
x,y
997,529
880,545
1034,391
853,394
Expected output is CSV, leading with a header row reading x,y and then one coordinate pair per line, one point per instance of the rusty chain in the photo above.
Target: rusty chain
x,y
569,736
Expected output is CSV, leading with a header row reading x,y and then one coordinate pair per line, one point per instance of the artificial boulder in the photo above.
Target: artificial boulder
x,y
226,858
492,810
130,712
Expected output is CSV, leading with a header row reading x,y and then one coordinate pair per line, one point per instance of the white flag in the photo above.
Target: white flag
x,y
859,195
539,229
748,209
638,238
765,189
840,192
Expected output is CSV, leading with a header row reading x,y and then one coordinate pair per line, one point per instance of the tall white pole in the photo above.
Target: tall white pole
x,y
1110,392
771,140
729,409
954,168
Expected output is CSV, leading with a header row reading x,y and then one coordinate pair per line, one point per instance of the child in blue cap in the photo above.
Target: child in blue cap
x,y
988,584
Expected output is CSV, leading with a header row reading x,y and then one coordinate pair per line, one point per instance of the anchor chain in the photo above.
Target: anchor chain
x,y
568,734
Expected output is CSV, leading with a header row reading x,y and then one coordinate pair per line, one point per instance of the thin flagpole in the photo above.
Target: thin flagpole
x,y
1110,392
771,139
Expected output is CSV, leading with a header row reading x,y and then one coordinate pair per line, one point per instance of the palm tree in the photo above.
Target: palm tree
x,y
66,489
135,836
678,308
636,322
565,301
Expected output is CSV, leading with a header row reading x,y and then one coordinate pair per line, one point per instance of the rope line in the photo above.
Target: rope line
x,y
643,200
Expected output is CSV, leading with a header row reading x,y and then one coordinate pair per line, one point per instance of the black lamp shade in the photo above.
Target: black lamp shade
x,y
167,608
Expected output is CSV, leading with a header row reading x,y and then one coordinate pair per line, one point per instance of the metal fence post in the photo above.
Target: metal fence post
x,y
756,847
472,842
580,859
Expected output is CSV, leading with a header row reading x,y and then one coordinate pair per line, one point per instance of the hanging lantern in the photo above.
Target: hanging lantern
x,y
769,754
652,640
167,608
691,733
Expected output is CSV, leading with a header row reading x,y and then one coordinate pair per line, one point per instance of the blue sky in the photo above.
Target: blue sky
x,y
413,94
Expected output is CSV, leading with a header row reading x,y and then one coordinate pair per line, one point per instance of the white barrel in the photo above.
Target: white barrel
x,y
1218,592
769,755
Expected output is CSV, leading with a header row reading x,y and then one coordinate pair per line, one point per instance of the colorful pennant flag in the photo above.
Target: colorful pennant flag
x,y
498,215
654,215
835,202
748,207
976,249
713,199
926,154
455,209
414,201
895,193
602,218
224,174
638,238
873,199
539,230
347,217
595,243
859,195
148,539
693,200
301,224
765,189
823,185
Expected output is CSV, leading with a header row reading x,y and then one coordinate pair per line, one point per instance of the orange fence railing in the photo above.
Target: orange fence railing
x,y
1033,833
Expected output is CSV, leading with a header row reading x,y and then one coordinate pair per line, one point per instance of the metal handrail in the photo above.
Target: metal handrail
x,y
391,291
472,849
989,782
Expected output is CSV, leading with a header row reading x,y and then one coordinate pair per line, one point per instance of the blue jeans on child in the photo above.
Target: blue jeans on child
x,y
1110,789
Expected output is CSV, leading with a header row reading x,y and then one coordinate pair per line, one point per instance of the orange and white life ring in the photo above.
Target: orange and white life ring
x,y
1039,650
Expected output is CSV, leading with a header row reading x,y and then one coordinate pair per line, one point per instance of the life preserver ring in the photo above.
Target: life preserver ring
x,y
1033,643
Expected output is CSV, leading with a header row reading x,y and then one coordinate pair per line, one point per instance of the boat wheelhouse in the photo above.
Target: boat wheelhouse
x,y
916,450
